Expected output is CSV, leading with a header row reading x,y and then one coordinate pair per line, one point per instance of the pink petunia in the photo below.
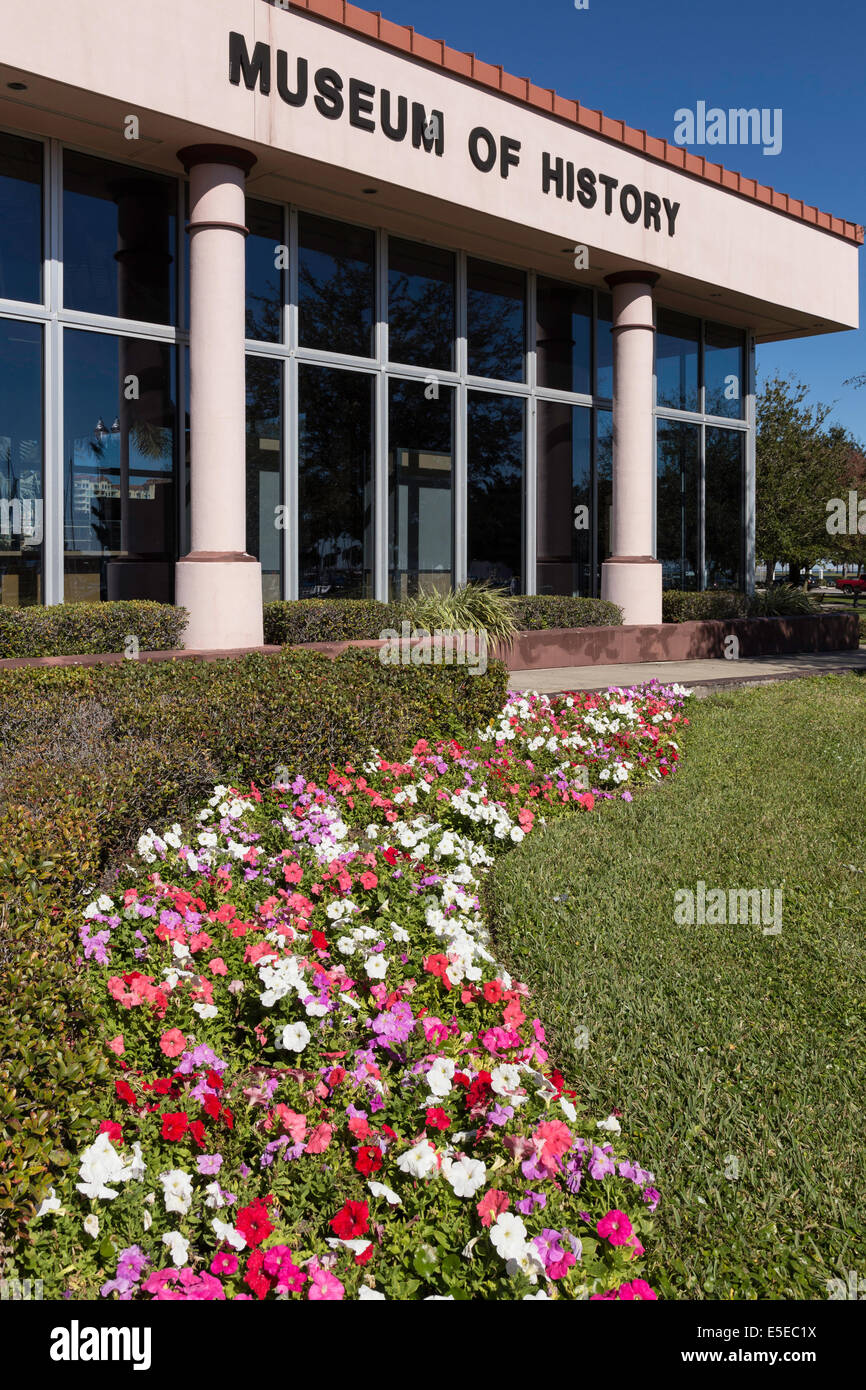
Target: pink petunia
x,y
116,1045
492,1205
324,1287
172,1042
217,966
319,1141
555,1140
615,1227
224,1263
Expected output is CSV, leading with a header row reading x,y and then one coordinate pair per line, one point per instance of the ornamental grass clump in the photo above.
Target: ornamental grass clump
x,y
324,1085
478,607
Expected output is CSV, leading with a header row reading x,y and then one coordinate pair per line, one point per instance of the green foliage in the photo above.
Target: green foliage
x,y
298,621
79,629
692,605
535,612
472,608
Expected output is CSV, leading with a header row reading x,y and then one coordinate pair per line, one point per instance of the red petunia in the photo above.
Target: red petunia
x,y
112,1129
196,1129
365,1255
351,1221
436,1118
369,1160
214,1080
211,1106
124,1091
253,1222
391,855
174,1126
228,1117
480,1090
255,1277
162,1087
319,940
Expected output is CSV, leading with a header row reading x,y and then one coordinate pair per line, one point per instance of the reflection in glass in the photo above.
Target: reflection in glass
x,y
420,462
495,490
724,479
267,262
604,488
564,499
724,371
677,361
265,531
496,322
20,219
119,489
564,336
22,523
420,305
118,240
604,347
335,482
678,503
336,286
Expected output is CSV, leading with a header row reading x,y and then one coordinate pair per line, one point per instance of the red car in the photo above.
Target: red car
x,y
855,585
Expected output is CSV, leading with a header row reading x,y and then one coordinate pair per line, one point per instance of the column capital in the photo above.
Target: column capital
x,y
232,155
632,277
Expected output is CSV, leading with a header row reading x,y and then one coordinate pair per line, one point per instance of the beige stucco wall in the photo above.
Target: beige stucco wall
x,y
169,59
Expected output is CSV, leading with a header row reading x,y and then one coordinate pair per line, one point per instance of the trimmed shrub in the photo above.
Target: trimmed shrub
x,y
85,629
692,605
328,620
535,612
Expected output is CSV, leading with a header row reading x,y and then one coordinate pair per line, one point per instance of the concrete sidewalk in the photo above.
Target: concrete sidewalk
x,y
701,676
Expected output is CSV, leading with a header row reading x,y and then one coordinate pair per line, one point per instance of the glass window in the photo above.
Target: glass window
x,y
724,479
496,428
564,560
335,482
20,219
118,240
265,519
336,286
604,347
267,263
420,305
119,481
604,488
677,361
564,336
21,493
496,326
724,371
420,463
678,503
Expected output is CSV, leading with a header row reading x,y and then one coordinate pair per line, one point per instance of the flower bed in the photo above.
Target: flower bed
x,y
325,1086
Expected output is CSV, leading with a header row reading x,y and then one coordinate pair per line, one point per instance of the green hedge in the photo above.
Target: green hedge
x,y
342,620
78,629
537,611
92,756
687,606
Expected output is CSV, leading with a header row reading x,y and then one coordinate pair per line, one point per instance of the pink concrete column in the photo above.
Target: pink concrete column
x,y
632,577
218,582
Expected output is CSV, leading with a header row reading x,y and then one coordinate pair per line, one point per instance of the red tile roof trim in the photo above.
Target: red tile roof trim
x,y
404,39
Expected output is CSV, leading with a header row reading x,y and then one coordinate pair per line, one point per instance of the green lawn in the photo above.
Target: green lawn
x,y
719,1041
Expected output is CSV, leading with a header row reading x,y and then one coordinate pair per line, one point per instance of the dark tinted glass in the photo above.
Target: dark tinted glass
x,y
604,347
495,490
420,305
267,264
723,494
564,336
420,462
265,520
724,369
335,482
119,483
677,361
603,489
20,219
118,240
336,286
565,522
497,321
22,524
677,504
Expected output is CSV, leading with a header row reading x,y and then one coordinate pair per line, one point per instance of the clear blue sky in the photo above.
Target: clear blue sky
x,y
641,61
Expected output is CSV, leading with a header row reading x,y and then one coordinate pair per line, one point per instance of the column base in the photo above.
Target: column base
x,y
223,595
635,583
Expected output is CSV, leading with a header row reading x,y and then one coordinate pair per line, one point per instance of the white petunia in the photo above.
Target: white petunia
x,y
91,1226
101,1165
465,1175
228,1233
295,1037
611,1124
205,1010
508,1236
505,1079
177,1190
440,1075
366,1295
419,1161
376,967
178,1246
379,1189
214,1198
49,1204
